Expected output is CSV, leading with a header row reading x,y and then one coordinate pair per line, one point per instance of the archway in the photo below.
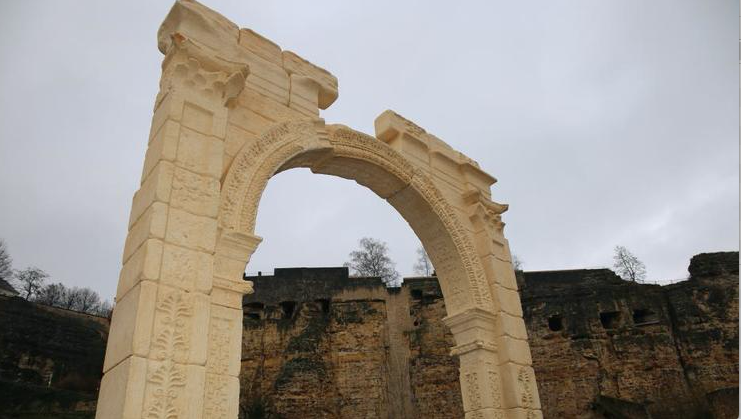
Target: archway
x,y
233,110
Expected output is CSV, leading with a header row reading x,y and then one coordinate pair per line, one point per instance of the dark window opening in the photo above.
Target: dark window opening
x,y
416,294
555,323
644,316
324,305
610,319
289,307
254,311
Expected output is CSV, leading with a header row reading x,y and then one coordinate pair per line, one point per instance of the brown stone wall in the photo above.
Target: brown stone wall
x,y
317,344
601,346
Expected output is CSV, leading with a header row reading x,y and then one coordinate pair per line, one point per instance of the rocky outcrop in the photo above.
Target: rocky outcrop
x,y
318,344
601,346
51,360
604,346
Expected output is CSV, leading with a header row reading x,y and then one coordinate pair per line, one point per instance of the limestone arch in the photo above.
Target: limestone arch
x,y
340,151
233,109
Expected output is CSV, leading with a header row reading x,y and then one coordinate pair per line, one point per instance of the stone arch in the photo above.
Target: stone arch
x,y
234,109
343,152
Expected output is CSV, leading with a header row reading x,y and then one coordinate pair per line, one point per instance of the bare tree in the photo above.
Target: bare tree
x,y
372,260
87,301
70,298
517,262
104,309
30,281
6,263
52,294
423,267
628,266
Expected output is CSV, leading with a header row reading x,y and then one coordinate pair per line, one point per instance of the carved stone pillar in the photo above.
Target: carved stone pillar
x,y
172,289
496,379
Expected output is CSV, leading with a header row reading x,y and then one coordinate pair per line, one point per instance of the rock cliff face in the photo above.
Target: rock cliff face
x,y
51,360
317,344
602,347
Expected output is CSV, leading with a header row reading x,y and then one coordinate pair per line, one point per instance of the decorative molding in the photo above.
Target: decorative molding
x,y
172,340
190,67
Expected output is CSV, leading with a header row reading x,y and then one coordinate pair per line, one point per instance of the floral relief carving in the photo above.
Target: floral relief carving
x,y
216,400
472,387
218,344
171,341
525,382
496,395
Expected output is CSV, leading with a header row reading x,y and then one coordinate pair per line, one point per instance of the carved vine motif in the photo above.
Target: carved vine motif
x,y
170,341
472,385
215,405
524,380
218,356
494,385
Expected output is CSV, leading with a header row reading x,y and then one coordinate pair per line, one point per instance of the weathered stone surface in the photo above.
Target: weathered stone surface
x,y
51,360
666,349
318,344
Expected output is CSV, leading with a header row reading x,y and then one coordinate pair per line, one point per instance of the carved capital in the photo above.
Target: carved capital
x,y
189,67
472,329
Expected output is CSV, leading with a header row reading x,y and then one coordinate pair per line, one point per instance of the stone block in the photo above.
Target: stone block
x,y
151,225
260,46
519,387
169,108
197,194
250,121
236,137
514,350
180,322
187,269
200,153
121,393
304,95
224,341
228,293
144,265
222,396
192,231
131,325
500,271
327,82
509,300
510,325
267,106
163,146
174,390
193,20
156,188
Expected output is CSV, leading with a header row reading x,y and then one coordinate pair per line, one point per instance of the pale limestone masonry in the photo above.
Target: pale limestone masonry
x,y
233,110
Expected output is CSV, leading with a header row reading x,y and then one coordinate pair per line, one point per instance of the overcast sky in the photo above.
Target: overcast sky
x,y
606,123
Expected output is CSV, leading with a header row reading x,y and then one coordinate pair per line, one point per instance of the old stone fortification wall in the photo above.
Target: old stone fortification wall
x,y
603,343
319,344
51,360
602,347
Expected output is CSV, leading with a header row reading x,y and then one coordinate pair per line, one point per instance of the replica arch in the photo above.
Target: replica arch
x,y
233,110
